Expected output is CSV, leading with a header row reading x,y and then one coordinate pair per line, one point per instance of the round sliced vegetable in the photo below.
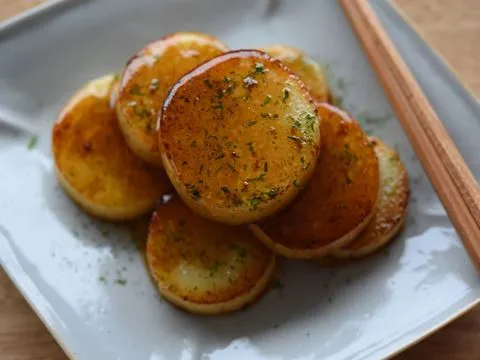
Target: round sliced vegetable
x,y
339,200
93,162
310,72
239,137
202,266
391,210
147,79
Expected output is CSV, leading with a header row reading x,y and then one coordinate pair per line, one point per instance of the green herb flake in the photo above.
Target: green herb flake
x,y
265,167
250,146
121,281
219,156
225,189
272,193
136,90
296,183
218,106
32,142
259,68
297,139
102,279
337,101
254,202
267,100
286,94
208,83
142,112
250,123
277,284
214,268
193,144
260,177
341,84
194,192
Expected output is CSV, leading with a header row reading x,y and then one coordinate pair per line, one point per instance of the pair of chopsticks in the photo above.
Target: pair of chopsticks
x,y
455,185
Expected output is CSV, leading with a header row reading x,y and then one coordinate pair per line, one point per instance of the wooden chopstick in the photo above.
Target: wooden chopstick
x,y
443,163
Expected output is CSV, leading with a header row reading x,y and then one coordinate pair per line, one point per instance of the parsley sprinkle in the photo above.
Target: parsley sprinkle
x,y
277,284
296,183
295,138
272,193
250,123
121,281
142,112
195,193
254,202
259,68
265,167
32,142
218,106
268,100
250,146
260,177
214,268
208,83
286,94
136,90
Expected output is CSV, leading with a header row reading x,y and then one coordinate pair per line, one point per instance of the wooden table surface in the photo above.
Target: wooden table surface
x,y
453,28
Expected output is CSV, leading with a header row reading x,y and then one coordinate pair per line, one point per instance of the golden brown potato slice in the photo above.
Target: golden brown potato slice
x,y
338,201
305,68
239,137
147,79
202,266
93,162
391,209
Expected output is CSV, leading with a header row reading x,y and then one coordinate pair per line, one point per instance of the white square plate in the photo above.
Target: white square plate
x,y
86,279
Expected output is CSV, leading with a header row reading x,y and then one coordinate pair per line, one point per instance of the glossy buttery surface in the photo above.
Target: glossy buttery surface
x,y
311,73
338,201
203,266
93,161
147,79
87,280
239,137
390,213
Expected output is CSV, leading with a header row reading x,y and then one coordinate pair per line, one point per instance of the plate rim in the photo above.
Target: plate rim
x,y
32,295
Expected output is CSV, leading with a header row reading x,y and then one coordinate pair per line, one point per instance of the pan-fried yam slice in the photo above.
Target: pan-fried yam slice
x,y
202,266
93,162
239,137
391,209
339,200
310,72
147,79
